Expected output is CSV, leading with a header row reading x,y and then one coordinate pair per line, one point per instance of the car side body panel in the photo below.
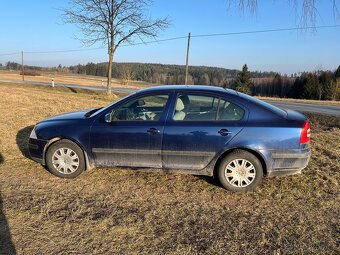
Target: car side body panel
x,y
193,144
76,130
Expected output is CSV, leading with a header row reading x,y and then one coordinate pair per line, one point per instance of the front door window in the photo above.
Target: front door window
x,y
147,108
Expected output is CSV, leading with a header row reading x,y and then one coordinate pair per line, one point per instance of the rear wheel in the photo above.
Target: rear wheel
x,y
240,171
65,159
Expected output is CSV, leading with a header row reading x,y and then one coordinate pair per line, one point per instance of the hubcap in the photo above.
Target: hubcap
x,y
240,173
65,161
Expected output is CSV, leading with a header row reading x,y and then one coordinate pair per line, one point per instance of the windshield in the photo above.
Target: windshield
x,y
266,105
100,110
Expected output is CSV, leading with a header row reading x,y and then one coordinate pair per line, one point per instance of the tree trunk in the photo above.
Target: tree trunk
x,y
337,82
109,73
320,92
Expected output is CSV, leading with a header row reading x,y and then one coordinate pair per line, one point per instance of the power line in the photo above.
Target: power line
x,y
61,51
266,31
157,41
9,54
101,48
180,38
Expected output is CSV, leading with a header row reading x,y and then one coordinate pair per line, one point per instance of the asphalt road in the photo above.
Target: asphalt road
x,y
99,88
314,108
331,110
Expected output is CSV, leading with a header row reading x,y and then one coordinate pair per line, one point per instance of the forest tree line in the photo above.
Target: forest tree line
x,y
318,85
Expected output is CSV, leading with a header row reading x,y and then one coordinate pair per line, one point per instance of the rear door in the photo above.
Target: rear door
x,y
209,123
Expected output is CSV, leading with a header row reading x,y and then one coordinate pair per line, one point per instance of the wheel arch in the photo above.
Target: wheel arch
x,y
57,139
259,156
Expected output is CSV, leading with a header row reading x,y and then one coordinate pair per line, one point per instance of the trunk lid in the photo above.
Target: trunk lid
x,y
294,115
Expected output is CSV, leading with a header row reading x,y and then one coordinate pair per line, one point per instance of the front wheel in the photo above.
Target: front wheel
x,y
240,171
65,159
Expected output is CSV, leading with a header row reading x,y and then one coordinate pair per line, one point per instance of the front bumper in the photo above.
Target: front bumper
x,y
288,163
36,149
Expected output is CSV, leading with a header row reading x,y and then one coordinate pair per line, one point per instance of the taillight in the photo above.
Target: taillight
x,y
305,133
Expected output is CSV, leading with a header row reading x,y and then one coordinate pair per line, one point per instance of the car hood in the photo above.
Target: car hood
x,y
69,116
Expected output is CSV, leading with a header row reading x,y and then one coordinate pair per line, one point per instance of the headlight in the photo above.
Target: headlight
x,y
33,135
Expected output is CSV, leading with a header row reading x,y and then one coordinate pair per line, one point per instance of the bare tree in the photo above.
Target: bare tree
x,y
126,74
113,22
306,10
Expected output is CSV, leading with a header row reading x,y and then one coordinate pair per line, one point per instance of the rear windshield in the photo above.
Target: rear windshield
x,y
266,105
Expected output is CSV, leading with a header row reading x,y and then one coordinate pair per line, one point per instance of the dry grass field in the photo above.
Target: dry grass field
x,y
117,211
69,78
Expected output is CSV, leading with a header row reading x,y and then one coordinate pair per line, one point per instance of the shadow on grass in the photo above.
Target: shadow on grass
x,y
22,140
6,244
72,90
211,180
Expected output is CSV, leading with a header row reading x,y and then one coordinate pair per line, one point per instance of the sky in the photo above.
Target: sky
x,y
37,25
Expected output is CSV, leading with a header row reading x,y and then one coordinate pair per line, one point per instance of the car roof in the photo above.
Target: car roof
x,y
188,88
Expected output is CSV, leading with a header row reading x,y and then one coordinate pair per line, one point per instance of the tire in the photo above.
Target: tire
x,y
65,159
240,171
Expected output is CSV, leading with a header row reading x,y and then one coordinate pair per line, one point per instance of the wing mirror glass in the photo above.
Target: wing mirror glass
x,y
140,102
108,117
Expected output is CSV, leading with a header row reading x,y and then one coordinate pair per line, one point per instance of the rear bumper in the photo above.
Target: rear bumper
x,y
36,149
290,163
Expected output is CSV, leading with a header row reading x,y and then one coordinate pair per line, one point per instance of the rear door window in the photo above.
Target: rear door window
x,y
191,107
195,107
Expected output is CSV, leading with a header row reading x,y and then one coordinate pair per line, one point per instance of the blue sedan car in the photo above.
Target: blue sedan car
x,y
200,130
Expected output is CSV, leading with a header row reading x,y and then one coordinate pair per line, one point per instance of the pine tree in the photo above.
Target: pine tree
x,y
312,87
277,85
337,84
243,82
337,72
327,81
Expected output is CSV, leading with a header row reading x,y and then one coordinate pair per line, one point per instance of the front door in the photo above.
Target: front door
x,y
133,136
200,128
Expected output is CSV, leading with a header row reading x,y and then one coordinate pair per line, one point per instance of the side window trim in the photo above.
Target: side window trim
x,y
218,109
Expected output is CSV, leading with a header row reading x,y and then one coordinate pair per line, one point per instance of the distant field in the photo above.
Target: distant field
x,y
116,211
69,78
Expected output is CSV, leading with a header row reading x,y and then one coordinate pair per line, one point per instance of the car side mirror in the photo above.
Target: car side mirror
x,y
140,102
108,117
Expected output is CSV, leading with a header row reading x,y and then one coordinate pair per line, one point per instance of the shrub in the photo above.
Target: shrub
x,y
30,73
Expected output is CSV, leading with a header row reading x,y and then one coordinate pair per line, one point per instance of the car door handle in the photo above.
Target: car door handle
x,y
153,131
224,132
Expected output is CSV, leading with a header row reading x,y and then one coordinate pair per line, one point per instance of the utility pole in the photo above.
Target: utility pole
x,y
22,66
187,61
